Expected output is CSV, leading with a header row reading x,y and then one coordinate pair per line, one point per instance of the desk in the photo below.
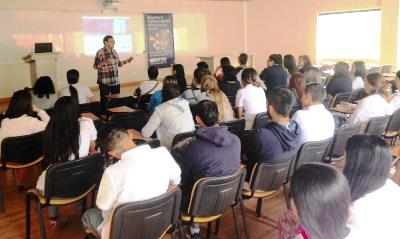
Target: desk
x,y
121,109
90,116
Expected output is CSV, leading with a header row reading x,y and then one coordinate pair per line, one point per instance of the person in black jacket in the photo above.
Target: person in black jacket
x,y
229,84
179,73
340,81
274,75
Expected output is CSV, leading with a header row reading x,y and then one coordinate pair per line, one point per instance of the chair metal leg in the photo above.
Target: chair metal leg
x,y
259,207
209,230
41,221
287,196
217,226
235,222
244,218
28,216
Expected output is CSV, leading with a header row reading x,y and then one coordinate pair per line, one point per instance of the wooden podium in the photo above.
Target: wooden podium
x,y
42,64
213,61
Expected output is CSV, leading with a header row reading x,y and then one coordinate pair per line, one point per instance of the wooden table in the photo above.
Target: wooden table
x,y
90,116
342,109
121,109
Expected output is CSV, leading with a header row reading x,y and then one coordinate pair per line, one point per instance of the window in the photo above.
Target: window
x,y
349,36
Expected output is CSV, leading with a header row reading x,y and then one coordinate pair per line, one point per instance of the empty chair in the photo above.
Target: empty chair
x,y
340,138
314,151
235,126
377,125
92,107
265,180
393,127
213,196
340,97
261,120
147,219
65,183
134,120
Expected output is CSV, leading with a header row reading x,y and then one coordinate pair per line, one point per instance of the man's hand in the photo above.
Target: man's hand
x,y
129,59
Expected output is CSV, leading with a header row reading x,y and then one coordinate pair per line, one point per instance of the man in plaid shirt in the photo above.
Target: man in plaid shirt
x,y
107,62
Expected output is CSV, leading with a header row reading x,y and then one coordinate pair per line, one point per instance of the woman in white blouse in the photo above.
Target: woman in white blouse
x,y
251,99
377,104
375,198
358,73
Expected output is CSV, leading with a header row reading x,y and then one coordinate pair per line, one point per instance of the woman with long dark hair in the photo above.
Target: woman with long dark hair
x,y
304,63
340,81
81,93
179,73
43,93
289,62
67,137
297,84
358,74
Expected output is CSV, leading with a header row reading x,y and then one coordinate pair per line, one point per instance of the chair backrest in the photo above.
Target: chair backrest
x,y
134,120
394,122
340,97
236,126
386,69
340,138
143,101
21,149
374,69
123,101
146,219
212,196
261,120
327,101
377,125
182,136
92,107
314,151
73,178
269,177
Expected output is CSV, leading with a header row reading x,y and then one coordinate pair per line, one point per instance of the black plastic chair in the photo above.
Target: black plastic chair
x,y
341,97
65,183
181,137
265,180
236,126
211,197
377,125
314,151
123,101
92,107
261,120
393,127
134,120
340,138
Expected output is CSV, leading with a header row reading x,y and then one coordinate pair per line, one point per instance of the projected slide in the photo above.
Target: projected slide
x,y
95,28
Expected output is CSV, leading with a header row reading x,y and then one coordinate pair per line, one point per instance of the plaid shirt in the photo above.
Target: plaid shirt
x,y
107,74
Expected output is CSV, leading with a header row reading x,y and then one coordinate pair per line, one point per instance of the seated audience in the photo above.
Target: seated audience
x,y
214,152
156,98
375,198
396,95
297,83
376,104
202,64
43,93
274,75
304,64
289,62
371,83
179,73
278,140
219,71
315,121
229,84
340,81
67,137
140,173
358,73
150,86
321,196
243,57
211,91
313,74
192,95
170,118
250,100
78,91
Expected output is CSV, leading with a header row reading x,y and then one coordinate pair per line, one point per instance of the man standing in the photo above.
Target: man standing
x,y
107,62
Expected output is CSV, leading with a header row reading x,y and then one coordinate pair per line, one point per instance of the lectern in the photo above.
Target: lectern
x,y
42,64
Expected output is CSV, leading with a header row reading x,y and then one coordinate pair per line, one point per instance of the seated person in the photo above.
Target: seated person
x,y
229,85
43,93
315,121
148,87
377,104
370,86
156,98
340,81
170,118
78,91
375,197
192,95
396,95
279,140
274,75
214,152
141,173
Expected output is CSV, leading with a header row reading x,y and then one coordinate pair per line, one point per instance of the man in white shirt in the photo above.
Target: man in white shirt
x,y
152,85
141,173
315,121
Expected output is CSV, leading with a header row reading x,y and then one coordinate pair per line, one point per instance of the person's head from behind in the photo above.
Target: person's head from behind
x,y
368,162
298,82
304,62
314,94
170,79
313,74
229,73
207,114
170,91
73,78
358,69
198,74
209,84
341,70
274,59
43,87
289,62
114,140
20,104
397,80
152,72
202,64
242,59
250,76
61,137
224,61
374,83
109,41
321,195
178,71
280,103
